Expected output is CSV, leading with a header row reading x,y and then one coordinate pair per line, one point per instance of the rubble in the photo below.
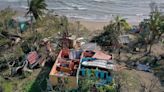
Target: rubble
x,y
72,64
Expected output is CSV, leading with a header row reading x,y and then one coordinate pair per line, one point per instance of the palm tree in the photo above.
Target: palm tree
x,y
120,25
36,8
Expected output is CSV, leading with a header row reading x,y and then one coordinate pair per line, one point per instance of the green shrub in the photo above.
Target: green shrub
x,y
107,88
25,47
27,86
4,41
7,86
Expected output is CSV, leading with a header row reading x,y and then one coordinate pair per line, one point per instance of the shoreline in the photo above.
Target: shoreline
x,y
91,25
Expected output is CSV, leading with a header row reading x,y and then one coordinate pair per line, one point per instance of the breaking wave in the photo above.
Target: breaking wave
x,y
67,8
101,1
90,17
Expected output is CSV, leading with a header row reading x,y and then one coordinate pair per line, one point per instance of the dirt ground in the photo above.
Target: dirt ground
x,y
139,81
145,81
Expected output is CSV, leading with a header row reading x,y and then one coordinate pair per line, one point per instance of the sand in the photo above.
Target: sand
x,y
94,25
89,24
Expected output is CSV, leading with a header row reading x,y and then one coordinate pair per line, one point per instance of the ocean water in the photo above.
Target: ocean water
x,y
96,10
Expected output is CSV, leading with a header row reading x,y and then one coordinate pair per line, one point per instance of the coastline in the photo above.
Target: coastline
x,y
91,25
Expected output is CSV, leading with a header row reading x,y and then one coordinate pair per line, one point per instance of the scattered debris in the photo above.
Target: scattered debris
x,y
72,63
97,64
143,67
90,46
65,67
124,39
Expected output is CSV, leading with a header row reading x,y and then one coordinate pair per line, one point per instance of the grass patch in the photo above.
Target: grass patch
x,y
27,86
7,86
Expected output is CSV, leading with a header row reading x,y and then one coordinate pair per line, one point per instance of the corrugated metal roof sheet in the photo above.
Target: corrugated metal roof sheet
x,y
32,57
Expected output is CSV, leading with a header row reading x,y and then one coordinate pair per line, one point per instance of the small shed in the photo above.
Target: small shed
x,y
124,39
22,22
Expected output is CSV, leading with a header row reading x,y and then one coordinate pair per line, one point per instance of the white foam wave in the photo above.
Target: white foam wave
x,y
60,8
80,8
76,6
101,1
24,7
12,0
89,17
67,8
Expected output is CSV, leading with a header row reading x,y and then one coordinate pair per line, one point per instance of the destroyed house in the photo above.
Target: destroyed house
x,y
65,68
71,65
96,64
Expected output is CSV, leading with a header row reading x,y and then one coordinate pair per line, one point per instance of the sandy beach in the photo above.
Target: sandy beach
x,y
94,25
89,24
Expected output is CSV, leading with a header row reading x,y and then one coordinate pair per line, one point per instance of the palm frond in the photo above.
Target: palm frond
x,y
36,7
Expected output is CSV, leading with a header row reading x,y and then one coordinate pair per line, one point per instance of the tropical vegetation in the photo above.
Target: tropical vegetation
x,y
154,25
36,7
150,33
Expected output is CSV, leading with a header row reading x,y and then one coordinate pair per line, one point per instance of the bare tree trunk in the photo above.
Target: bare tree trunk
x,y
151,41
119,52
31,23
151,44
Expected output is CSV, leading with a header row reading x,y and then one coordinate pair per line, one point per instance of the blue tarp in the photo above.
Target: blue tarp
x,y
143,67
22,26
75,54
88,59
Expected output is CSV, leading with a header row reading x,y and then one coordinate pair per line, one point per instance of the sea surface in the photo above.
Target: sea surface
x,y
95,10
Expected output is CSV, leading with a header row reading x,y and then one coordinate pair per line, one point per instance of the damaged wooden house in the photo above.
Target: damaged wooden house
x,y
73,64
